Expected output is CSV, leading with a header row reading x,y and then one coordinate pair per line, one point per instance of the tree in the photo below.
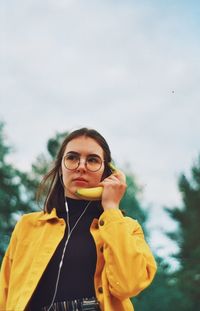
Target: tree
x,y
40,167
11,189
130,203
163,294
188,238
18,189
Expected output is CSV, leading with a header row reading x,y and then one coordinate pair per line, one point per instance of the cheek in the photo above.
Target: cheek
x,y
65,176
99,177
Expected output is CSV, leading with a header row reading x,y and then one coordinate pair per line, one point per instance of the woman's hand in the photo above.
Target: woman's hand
x,y
114,187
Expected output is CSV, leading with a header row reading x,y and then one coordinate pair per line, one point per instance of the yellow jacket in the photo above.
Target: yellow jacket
x,y
125,264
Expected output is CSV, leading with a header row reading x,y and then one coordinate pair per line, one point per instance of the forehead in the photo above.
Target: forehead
x,y
84,145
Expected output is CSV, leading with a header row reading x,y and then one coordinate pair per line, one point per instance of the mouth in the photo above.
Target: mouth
x,y
80,179
81,182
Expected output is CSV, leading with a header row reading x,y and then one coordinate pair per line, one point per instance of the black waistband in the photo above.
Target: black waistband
x,y
85,304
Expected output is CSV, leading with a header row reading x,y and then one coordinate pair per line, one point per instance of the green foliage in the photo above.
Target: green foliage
x,y
54,143
40,167
188,237
17,188
12,200
130,203
162,294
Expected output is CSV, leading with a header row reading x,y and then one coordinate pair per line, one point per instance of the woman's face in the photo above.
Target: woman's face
x,y
81,177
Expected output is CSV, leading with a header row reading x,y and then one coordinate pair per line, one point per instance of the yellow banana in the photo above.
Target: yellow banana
x,y
90,193
94,193
113,168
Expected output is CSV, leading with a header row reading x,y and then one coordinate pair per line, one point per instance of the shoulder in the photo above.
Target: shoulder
x,y
27,221
31,217
24,228
36,219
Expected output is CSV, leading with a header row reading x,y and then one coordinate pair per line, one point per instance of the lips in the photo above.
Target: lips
x,y
80,179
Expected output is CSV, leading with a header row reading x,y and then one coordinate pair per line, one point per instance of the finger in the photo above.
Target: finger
x,y
111,181
120,175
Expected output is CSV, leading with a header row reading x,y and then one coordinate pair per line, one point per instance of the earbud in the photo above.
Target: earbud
x,y
66,207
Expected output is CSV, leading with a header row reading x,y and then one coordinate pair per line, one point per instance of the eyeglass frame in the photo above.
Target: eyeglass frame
x,y
85,161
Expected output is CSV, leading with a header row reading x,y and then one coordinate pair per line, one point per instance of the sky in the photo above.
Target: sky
x,y
130,69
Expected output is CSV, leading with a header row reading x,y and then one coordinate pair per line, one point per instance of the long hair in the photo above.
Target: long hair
x,y
52,187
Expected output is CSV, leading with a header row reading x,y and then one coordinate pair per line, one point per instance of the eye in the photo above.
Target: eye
x,y
93,159
72,157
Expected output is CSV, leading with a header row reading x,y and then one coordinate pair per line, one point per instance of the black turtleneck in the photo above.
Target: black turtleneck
x,y
77,272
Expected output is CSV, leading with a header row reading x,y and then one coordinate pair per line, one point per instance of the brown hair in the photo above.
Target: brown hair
x,y
52,185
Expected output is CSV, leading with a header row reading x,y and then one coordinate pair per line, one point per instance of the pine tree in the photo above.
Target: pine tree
x,y
40,167
11,193
130,203
162,294
188,238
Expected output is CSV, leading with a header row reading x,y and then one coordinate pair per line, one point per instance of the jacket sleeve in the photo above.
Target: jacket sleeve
x,y
6,268
129,264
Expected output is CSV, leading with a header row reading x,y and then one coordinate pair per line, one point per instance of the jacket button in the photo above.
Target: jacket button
x,y
101,249
101,222
100,290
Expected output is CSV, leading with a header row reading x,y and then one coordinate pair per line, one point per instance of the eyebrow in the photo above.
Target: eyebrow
x,y
77,153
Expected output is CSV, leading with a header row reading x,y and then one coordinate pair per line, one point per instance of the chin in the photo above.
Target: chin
x,y
71,193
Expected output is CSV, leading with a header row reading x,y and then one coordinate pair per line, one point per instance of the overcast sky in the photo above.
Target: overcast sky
x,y
130,69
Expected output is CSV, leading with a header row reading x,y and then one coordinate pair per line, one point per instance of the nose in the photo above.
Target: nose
x,y
82,165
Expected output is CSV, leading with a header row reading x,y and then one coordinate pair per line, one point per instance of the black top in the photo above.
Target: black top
x,y
79,264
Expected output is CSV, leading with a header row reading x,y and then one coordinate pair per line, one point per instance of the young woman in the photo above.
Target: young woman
x,y
78,254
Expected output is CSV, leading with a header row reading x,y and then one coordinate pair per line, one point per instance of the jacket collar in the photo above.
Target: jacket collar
x,y
46,216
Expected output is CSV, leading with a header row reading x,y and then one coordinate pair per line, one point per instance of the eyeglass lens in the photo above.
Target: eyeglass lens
x,y
72,161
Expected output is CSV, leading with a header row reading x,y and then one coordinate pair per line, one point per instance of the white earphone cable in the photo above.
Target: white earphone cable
x,y
69,233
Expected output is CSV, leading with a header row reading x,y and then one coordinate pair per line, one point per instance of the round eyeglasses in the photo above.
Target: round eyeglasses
x,y
72,161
